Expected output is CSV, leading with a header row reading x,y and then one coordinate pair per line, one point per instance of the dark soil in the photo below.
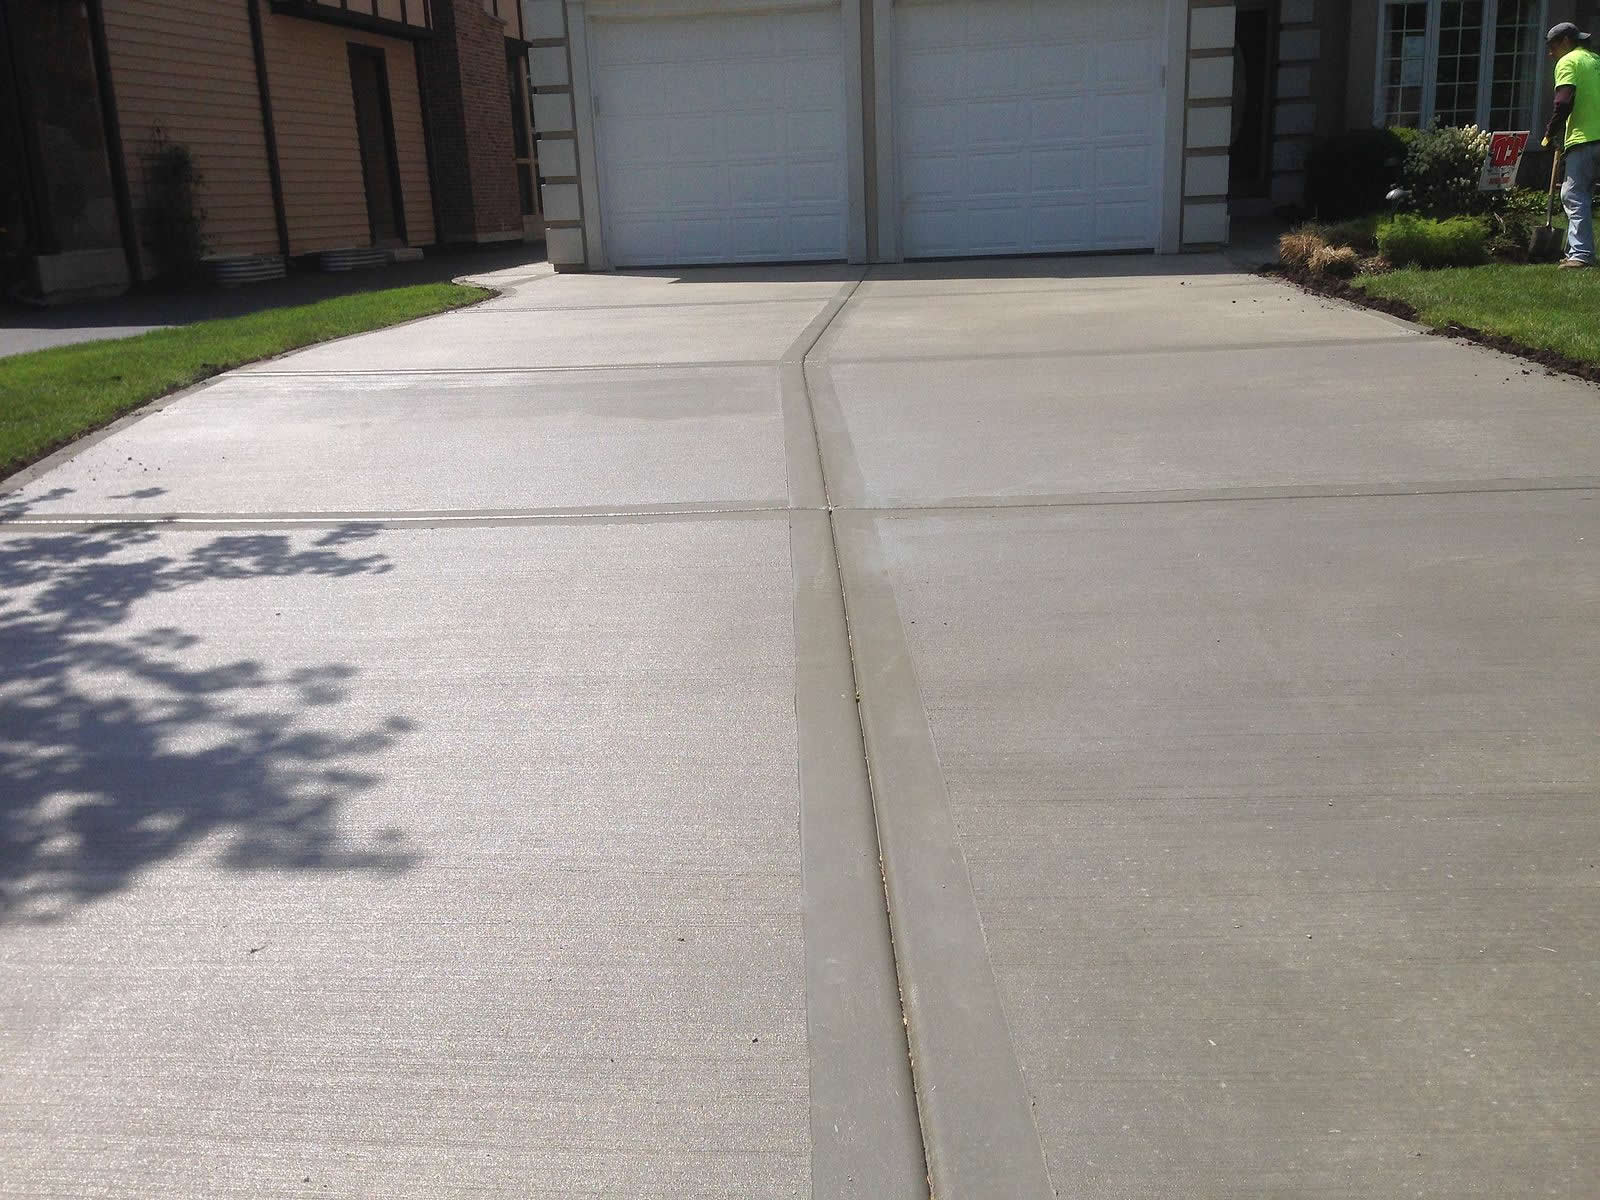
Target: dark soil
x,y
1340,289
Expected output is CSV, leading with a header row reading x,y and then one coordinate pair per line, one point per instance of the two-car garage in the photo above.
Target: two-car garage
x,y
785,132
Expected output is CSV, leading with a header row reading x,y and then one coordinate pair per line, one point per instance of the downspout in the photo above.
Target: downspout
x,y
274,173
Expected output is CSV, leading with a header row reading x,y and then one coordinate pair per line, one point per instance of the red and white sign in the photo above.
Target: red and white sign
x,y
1505,155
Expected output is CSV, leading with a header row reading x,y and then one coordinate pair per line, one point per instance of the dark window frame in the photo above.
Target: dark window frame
x,y
375,53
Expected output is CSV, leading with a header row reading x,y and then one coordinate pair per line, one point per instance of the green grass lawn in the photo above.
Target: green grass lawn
x,y
1538,306
49,397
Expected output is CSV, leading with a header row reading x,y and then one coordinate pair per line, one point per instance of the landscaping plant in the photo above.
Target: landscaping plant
x,y
1442,168
173,220
1410,240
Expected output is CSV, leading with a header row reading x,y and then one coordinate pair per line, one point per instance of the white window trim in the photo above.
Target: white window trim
x,y
1430,63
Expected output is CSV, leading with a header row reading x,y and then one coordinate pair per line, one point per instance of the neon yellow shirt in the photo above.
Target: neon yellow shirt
x,y
1580,69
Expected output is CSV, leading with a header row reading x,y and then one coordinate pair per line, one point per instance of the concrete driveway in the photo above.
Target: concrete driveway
x,y
456,760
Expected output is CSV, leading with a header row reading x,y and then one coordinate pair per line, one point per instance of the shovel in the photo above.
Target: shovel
x,y
1545,245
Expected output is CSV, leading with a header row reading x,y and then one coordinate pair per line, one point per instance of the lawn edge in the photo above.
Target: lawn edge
x,y
65,451
1341,289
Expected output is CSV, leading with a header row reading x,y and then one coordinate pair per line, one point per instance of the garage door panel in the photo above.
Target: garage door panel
x,y
927,177
1016,121
721,138
1121,167
1060,121
991,124
998,175
813,133
1069,170
935,128
750,136
1065,224
756,185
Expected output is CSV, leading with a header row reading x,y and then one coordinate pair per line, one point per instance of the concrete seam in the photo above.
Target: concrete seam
x,y
977,1118
936,934
865,1137
1240,495
866,1141
435,520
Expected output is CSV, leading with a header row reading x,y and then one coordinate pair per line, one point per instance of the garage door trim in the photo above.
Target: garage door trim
x,y
1168,142
584,74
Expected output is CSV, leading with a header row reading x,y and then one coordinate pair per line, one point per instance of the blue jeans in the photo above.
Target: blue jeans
x,y
1577,197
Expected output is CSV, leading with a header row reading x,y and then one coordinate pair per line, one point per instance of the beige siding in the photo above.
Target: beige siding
x,y
188,66
318,153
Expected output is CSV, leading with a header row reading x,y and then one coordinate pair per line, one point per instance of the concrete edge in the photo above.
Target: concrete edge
x,y
865,1137
63,454
975,1111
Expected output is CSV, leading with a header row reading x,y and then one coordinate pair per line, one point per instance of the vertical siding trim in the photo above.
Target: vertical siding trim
x,y
113,130
425,107
280,215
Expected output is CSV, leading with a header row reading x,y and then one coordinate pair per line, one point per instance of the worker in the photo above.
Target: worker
x,y
1575,129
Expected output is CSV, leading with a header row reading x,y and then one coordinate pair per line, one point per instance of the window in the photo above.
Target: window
x,y
1459,62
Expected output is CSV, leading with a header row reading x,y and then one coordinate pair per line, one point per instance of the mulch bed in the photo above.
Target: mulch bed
x,y
1339,289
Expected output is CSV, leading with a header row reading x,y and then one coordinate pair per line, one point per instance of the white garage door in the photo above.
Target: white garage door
x,y
721,139
1028,126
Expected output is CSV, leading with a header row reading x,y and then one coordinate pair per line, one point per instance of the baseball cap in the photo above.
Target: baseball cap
x,y
1565,30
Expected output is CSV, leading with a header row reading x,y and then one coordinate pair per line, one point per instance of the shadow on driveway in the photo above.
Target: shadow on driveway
x,y
116,753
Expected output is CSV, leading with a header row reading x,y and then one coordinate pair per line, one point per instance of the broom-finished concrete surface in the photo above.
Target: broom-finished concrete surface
x,y
433,761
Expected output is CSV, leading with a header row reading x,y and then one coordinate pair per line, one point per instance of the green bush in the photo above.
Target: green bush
x,y
1514,217
1412,241
1349,175
1442,168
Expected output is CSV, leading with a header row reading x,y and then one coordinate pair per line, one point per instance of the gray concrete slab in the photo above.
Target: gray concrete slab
x,y
629,289
410,863
376,443
513,340
1403,410
1146,314
1279,818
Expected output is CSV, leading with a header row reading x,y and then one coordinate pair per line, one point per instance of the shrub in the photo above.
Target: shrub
x,y
1409,240
1349,175
1296,247
1442,168
1516,214
173,220
1339,261
1360,234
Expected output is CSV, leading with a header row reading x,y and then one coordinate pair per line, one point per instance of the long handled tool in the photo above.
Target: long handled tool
x,y
1545,246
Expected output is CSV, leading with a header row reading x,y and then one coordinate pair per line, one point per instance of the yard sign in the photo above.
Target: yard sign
x,y
1505,155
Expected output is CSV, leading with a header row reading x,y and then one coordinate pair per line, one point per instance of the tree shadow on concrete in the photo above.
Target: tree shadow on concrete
x,y
118,752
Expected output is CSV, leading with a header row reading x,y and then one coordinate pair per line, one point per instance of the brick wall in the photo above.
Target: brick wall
x,y
469,121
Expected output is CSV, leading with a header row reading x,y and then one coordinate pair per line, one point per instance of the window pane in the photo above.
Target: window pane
x,y
1455,100
1516,63
1405,32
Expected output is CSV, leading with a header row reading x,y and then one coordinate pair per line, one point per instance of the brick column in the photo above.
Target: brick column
x,y
469,125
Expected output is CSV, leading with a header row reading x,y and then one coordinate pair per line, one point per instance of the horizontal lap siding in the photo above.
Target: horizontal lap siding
x,y
188,66
410,143
318,152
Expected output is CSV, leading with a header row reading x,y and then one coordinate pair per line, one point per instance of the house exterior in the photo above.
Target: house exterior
x,y
707,131
316,125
